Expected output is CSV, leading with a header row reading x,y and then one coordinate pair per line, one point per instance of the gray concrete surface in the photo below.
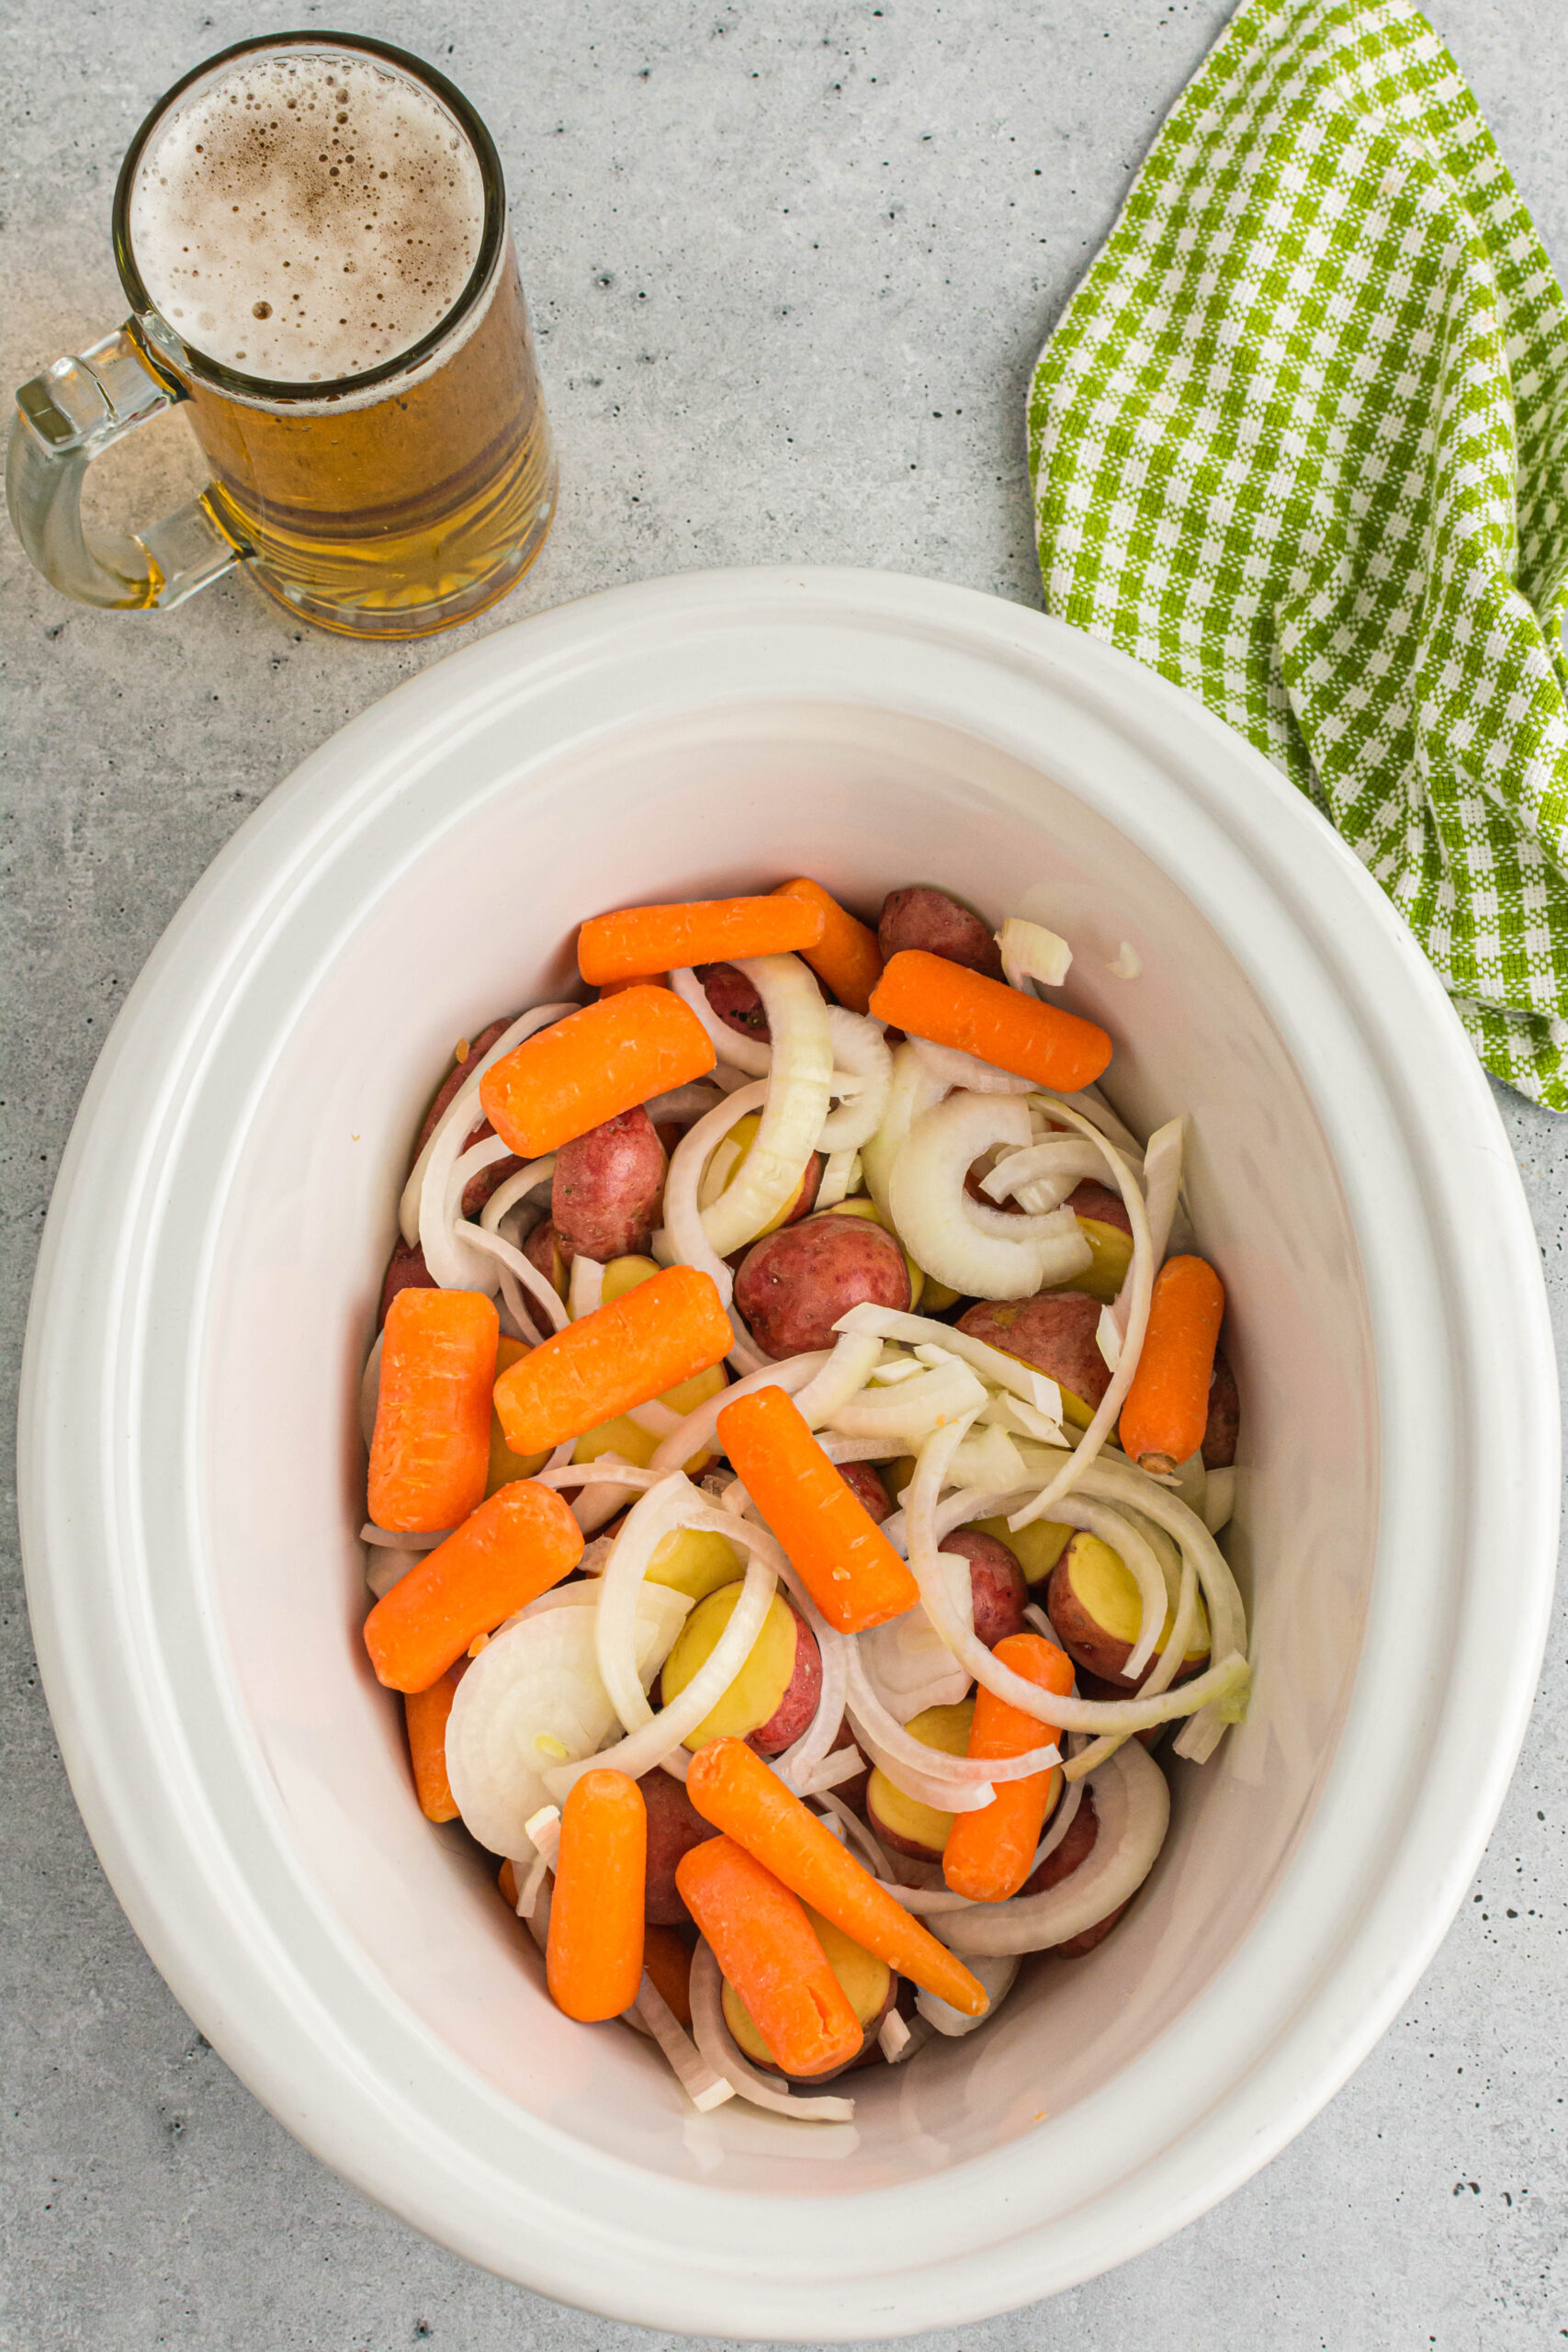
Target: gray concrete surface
x,y
790,267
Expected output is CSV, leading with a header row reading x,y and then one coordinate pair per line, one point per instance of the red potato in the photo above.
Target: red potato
x,y
1224,1417
1092,1687
792,1286
734,1000
606,1189
774,1695
1056,1332
1074,1851
995,1581
866,1487
800,1702
1092,1601
1100,1205
543,1250
920,917
674,1827
406,1270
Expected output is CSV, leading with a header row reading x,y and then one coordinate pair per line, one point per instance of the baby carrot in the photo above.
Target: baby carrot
x,y
430,1452
732,1787
949,1005
640,941
425,1714
593,1958
506,1879
846,1563
513,1548
771,1954
591,1066
847,956
987,1854
1167,1405
667,1958
648,1339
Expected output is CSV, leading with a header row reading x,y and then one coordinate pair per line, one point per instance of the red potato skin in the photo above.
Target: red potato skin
x,y
674,1827
800,1702
477,1190
540,1248
606,1189
1086,1642
1100,1204
1075,1849
793,1284
1055,1331
1224,1417
734,1000
920,917
406,1270
996,1581
867,1489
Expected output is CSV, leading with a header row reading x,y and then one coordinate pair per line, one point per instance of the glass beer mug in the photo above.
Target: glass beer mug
x,y
311,233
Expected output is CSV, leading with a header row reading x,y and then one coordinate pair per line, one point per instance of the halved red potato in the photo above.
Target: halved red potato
x,y
933,919
735,1000
406,1270
996,1583
1224,1417
865,1486
1036,1548
1093,1602
902,1822
775,1694
674,1827
1056,1331
1106,1226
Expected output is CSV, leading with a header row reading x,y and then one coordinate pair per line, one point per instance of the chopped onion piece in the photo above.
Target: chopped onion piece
x,y
854,1358
1108,1338
1001,1370
587,1290
912,1409
951,1066
1042,1175
1030,952
704,2085
945,1231
713,2039
863,1080
914,1089
840,1175
893,2037
1134,1806
750,1054
996,1972
397,1540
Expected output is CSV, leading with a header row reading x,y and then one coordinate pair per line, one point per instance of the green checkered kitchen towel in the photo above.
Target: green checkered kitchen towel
x,y
1299,441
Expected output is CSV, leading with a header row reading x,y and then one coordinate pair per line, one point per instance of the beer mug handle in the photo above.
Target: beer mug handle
x,y
63,420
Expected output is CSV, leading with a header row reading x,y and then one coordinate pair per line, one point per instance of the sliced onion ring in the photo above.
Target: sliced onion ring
x,y
1132,1801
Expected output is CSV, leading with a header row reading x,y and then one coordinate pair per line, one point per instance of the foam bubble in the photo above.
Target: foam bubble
x,y
304,217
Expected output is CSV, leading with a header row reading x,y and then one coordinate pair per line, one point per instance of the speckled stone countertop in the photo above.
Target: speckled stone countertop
x,y
790,267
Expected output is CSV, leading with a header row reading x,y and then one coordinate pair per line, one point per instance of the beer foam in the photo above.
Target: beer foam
x,y
307,216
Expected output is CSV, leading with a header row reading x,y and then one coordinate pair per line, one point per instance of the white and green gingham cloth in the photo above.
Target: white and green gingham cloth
x,y
1300,441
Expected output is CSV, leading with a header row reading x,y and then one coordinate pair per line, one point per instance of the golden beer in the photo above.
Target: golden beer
x,y
312,234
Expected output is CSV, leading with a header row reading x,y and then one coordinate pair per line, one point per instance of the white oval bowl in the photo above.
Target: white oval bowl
x,y
192,1480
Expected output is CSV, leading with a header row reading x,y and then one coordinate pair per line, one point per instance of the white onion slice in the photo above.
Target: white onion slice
x,y
653,1516
684,1229
950,1783
1162,1182
512,1262
914,1091
1030,952
537,1678
863,1080
996,1972
793,1112
893,2037
697,1432
1091,1104
1133,1802
659,1735
750,1054
1219,1500
429,1206
840,1173
704,2085
911,1667
714,2040
1043,1174
951,1066
914,1407
999,1369
854,1358
856,1832
943,1229
396,1540
516,1188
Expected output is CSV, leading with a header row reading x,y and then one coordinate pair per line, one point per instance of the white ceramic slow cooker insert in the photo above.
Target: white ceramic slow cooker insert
x,y
194,1483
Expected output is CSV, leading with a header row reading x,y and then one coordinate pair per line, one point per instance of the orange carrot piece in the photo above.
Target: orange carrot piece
x,y
949,1005
593,1955
987,1854
506,1879
642,980
846,1563
513,1548
639,941
648,1339
1167,1408
593,1066
732,1787
771,1954
847,956
430,1453
667,1958
425,1714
